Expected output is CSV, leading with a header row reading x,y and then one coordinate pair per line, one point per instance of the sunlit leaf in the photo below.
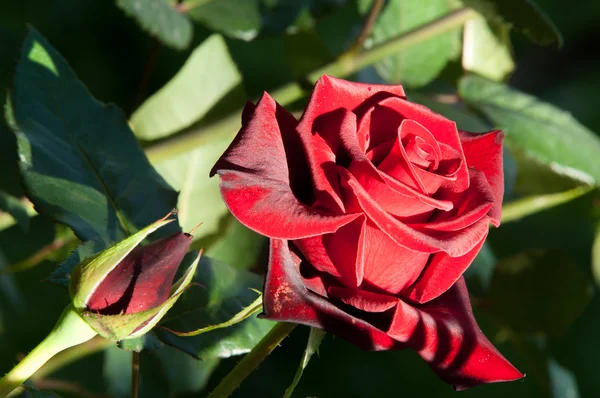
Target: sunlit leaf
x,y
208,76
161,20
80,162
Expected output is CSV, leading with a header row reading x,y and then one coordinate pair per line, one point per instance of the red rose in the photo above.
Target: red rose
x,y
375,207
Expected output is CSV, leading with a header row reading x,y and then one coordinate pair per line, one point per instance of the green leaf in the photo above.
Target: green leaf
x,y
62,274
80,162
161,20
235,244
525,15
208,76
539,130
421,63
147,343
15,208
240,19
199,196
596,256
538,291
314,341
486,50
224,292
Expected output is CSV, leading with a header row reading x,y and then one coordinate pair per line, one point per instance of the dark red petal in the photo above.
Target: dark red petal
x,y
446,335
255,178
470,206
444,131
286,299
454,243
440,274
395,197
339,254
330,94
387,266
143,279
484,153
362,299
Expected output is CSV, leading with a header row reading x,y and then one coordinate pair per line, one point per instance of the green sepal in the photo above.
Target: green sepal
x,y
126,326
88,275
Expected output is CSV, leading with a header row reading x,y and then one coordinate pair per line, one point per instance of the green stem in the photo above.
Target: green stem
x,y
342,67
252,360
69,331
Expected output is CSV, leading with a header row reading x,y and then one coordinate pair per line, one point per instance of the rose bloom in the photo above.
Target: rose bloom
x,y
375,207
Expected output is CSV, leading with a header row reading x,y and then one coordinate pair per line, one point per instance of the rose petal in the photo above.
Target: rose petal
x,y
446,335
387,266
362,299
472,205
286,299
484,153
440,274
257,183
395,197
325,252
454,243
143,279
444,131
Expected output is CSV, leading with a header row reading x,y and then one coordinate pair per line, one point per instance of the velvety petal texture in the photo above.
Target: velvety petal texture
x,y
375,207
143,279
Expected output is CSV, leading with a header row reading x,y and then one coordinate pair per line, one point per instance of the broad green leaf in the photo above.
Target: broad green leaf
x,y
524,207
240,19
15,208
562,381
207,76
525,15
80,162
538,291
161,20
540,131
235,244
224,292
486,50
147,342
199,197
62,274
421,63
315,338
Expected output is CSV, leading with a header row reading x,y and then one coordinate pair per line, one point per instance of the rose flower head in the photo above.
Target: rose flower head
x,y
375,207
125,290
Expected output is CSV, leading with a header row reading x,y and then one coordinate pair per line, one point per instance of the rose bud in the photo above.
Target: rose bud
x,y
125,290
375,207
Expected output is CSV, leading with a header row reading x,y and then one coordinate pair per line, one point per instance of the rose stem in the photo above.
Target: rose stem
x,y
347,64
367,27
135,374
70,330
252,360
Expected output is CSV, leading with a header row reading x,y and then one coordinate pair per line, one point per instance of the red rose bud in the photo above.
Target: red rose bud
x,y
375,207
124,291
143,279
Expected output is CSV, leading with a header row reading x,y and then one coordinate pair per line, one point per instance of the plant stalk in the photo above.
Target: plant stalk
x,y
70,330
252,360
